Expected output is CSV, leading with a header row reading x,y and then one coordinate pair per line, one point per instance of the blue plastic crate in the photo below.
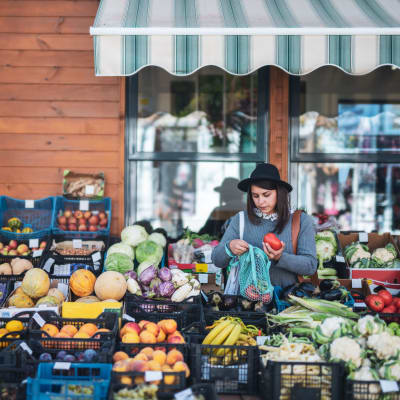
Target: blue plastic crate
x,y
53,383
282,305
63,204
39,217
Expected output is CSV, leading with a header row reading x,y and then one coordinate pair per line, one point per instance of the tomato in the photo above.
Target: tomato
x,y
273,241
396,302
386,297
374,302
389,309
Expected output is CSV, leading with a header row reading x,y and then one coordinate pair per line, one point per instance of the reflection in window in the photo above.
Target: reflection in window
x,y
207,112
361,196
175,195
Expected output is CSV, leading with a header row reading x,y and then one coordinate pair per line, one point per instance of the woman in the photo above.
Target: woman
x,y
268,211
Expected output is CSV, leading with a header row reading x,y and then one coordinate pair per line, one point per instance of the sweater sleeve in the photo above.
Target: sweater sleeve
x,y
305,261
219,257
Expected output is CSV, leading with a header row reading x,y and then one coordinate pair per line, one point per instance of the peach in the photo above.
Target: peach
x,y
120,355
141,356
154,365
88,328
161,336
175,338
147,337
142,323
62,335
152,327
51,329
70,330
169,326
131,337
160,357
130,327
181,366
81,335
168,379
120,366
22,248
174,356
96,336
139,366
138,380
148,351
126,380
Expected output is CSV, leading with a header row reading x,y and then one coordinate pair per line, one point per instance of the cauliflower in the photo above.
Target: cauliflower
x,y
390,371
359,254
364,374
370,325
384,345
330,325
384,256
347,350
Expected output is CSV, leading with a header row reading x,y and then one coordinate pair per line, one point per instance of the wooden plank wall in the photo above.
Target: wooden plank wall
x,y
55,114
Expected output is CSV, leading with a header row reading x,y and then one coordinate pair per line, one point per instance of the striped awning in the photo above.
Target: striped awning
x,y
241,36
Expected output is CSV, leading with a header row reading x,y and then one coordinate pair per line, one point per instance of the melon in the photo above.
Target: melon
x,y
56,293
36,283
50,301
87,299
21,300
82,282
110,285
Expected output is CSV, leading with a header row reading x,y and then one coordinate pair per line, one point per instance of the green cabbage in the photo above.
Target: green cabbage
x,y
118,262
148,249
122,248
158,238
133,235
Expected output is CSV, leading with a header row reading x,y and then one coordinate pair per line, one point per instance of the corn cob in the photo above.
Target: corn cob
x,y
215,331
231,340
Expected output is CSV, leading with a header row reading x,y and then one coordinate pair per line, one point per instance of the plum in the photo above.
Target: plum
x,y
69,358
61,355
45,357
79,356
90,355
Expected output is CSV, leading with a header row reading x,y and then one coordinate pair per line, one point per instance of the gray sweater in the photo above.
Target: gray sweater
x,y
285,271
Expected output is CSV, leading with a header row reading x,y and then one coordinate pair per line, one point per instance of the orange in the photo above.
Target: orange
x,y
81,335
70,330
88,328
51,329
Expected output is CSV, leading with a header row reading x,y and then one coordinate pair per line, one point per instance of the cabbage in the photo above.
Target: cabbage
x,y
158,238
118,262
147,249
133,235
122,248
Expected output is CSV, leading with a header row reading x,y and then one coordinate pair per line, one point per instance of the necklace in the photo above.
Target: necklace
x,y
272,217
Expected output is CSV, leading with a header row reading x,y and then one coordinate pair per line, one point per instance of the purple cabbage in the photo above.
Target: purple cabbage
x,y
154,285
166,289
165,274
148,275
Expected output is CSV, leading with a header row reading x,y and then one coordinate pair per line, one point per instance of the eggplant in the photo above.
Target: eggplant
x,y
229,302
300,293
308,287
328,284
215,300
295,290
335,294
247,305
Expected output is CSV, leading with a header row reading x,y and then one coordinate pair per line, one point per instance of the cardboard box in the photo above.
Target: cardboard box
x,y
89,310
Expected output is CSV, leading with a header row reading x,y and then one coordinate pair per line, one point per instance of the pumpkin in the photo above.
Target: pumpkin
x,y
36,283
82,282
110,285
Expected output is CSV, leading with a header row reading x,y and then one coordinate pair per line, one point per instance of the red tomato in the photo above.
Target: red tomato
x,y
374,302
396,302
389,309
386,297
273,241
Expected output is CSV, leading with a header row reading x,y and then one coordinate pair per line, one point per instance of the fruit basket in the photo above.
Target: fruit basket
x,y
74,334
80,381
35,216
82,219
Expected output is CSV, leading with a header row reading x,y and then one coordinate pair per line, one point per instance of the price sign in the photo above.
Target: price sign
x,y
37,253
389,386
203,278
29,203
62,270
261,340
62,365
89,190
48,264
77,243
356,283
207,256
186,394
84,205
25,347
150,376
202,268
96,256
128,317
33,243
340,259
40,321
363,237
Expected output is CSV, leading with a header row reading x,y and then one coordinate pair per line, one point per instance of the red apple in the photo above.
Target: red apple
x,y
13,253
87,214
62,220
42,245
102,215
72,220
13,244
131,326
78,214
92,228
94,220
63,227
1,245
82,221
82,228
72,227
67,213
103,223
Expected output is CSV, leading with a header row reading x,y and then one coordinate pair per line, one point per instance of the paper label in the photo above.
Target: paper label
x,y
25,347
128,317
64,288
48,264
29,203
186,394
77,243
40,321
340,259
62,365
261,340
359,304
389,386
63,270
203,278
152,376
356,283
96,266
207,256
96,256
363,237
89,189
202,268
33,243
218,278
84,205
37,253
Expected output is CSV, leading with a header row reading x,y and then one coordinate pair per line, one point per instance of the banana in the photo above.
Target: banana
x,y
220,338
227,358
215,331
231,339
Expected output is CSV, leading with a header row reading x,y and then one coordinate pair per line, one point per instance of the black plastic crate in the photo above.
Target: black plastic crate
x,y
156,310
107,320
5,288
233,373
205,389
13,337
368,390
301,380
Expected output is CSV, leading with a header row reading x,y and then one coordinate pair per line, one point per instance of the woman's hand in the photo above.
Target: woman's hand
x,y
271,253
238,247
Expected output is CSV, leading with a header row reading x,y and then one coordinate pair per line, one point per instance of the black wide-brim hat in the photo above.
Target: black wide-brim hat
x,y
263,172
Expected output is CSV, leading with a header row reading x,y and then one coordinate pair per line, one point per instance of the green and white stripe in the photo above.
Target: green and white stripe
x,y
240,36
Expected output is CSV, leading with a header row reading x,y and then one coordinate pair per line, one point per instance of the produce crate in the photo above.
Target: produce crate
x,y
368,390
301,380
107,320
205,389
94,206
155,310
50,383
5,288
13,337
36,214
238,378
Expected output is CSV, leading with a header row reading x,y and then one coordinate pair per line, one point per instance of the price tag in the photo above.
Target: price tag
x,y
37,253
29,203
261,340
207,256
360,305
84,205
152,376
203,278
89,189
48,264
218,278
33,243
389,386
77,243
340,259
363,237
202,268
356,283
62,270
96,256
186,394
25,347
128,317
40,321
62,365
96,266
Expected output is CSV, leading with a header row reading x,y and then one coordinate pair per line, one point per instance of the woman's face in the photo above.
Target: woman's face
x,y
264,199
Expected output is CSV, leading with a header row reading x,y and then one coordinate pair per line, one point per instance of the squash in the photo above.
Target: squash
x,y
56,293
87,299
14,223
82,282
110,285
21,300
36,283
50,301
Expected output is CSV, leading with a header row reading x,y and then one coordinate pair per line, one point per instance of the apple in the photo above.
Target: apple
x,y
82,228
22,248
102,215
43,245
13,244
103,223
81,221
72,227
72,220
62,220
92,228
78,214
67,213
25,254
13,253
63,227
94,220
4,252
7,248
87,214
